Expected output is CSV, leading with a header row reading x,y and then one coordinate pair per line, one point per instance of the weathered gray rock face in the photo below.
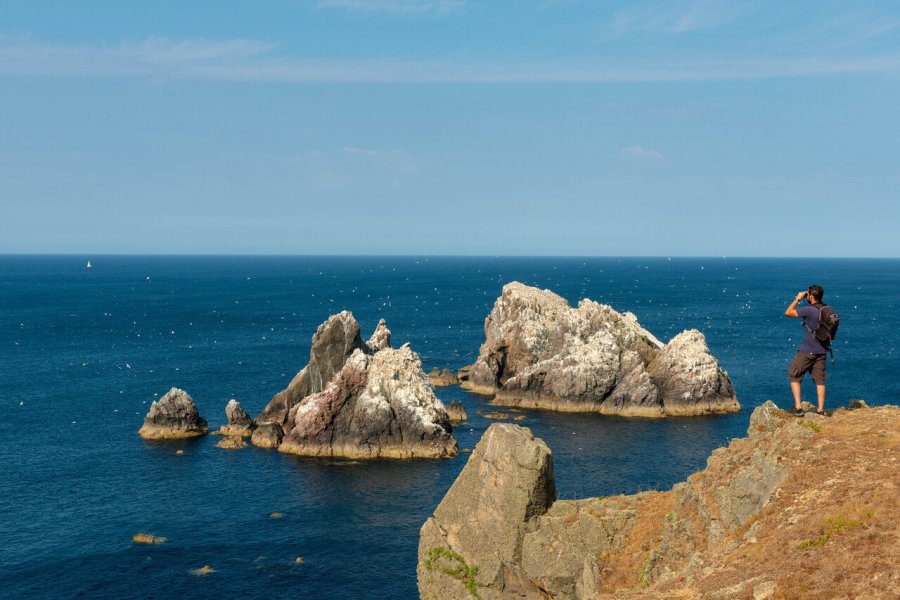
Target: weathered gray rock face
x,y
378,406
457,412
507,482
239,422
442,378
267,435
172,417
501,516
334,341
541,353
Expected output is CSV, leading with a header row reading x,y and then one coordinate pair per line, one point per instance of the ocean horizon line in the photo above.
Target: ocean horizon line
x,y
87,255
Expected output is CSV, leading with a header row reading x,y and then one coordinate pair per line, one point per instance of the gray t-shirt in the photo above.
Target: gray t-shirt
x,y
809,316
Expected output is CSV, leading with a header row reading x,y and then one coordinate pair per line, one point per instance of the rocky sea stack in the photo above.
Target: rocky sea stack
x,y
539,352
800,508
379,406
173,417
239,422
358,399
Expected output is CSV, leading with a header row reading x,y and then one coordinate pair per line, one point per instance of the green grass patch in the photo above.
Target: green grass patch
x,y
811,425
830,528
644,574
454,565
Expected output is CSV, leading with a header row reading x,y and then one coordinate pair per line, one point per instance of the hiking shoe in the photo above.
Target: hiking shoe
x,y
821,413
798,412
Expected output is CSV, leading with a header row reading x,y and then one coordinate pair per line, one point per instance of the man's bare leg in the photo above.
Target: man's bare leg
x,y
795,388
820,393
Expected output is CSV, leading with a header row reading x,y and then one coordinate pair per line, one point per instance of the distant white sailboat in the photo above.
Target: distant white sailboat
x,y
88,265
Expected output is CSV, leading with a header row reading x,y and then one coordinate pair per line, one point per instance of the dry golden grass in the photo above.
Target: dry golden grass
x,y
832,529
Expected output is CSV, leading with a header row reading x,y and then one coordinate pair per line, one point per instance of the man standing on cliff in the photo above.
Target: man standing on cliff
x,y
811,355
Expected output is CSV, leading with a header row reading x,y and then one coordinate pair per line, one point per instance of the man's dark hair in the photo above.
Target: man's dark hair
x,y
816,292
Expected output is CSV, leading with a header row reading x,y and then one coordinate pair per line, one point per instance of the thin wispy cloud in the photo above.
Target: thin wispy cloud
x,y
240,60
639,153
397,7
676,17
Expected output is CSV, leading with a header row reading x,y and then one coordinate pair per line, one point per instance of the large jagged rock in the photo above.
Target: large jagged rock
x,y
539,352
239,422
473,542
172,417
334,341
378,406
818,488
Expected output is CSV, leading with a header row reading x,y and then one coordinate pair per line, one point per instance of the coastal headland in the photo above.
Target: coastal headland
x,y
799,508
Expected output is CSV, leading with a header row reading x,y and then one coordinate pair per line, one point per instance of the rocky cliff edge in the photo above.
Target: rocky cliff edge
x,y
800,508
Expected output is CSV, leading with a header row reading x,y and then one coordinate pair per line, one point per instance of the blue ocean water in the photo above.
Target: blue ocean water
x,y
85,351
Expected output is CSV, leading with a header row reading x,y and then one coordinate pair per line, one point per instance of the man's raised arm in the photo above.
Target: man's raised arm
x,y
791,310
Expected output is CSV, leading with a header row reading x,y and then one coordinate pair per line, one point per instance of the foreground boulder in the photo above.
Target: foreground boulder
x,y
539,352
378,406
172,417
471,546
800,508
334,342
239,422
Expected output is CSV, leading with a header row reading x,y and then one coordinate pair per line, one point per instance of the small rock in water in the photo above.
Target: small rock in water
x,y
146,538
231,442
496,415
457,412
204,570
276,515
298,560
179,452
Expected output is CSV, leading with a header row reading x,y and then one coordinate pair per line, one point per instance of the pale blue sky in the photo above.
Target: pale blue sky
x,y
450,127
